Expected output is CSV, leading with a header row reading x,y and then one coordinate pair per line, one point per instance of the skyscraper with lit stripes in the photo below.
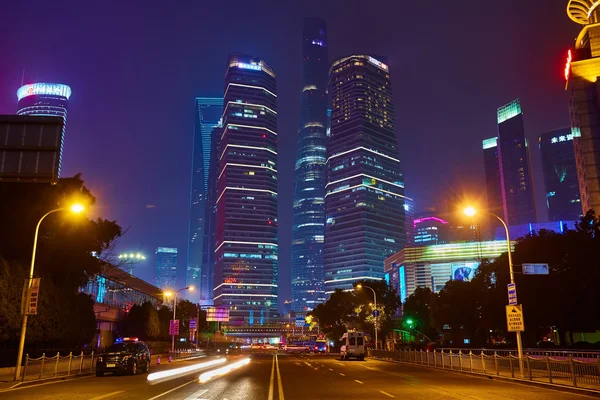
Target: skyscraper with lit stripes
x,y
246,247
308,220
208,115
364,200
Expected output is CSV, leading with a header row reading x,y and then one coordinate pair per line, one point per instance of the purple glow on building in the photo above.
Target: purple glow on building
x,y
421,220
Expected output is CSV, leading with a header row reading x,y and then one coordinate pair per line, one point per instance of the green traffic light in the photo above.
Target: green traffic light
x,y
409,321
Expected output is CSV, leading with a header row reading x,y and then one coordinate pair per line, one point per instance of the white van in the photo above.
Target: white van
x,y
353,345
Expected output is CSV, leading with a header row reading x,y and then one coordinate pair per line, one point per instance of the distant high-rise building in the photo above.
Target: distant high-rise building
x,y
581,72
45,99
560,175
430,230
308,221
507,168
208,115
166,267
364,203
246,232
409,218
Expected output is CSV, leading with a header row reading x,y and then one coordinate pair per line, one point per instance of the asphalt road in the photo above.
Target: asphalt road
x,y
294,377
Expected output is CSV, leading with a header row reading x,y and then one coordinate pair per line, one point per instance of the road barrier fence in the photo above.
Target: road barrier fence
x,y
577,372
57,365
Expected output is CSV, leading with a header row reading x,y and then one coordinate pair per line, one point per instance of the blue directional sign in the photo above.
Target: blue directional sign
x,y
376,313
512,294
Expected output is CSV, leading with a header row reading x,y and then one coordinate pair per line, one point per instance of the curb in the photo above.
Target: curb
x,y
549,386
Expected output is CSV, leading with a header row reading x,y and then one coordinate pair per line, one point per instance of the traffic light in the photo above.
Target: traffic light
x,y
410,322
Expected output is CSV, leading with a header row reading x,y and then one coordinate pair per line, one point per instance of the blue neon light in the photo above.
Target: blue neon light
x,y
253,67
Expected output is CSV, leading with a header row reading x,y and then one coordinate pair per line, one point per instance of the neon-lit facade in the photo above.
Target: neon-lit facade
x,y
308,220
559,168
364,200
166,267
208,115
45,99
584,103
246,241
433,266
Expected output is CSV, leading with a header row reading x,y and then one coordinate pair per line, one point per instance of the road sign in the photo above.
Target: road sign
x,y
376,313
512,294
193,324
174,327
536,269
32,304
514,318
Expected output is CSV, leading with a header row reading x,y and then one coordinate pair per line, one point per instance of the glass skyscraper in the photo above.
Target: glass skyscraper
x,y
515,169
45,99
308,221
246,246
166,267
560,175
208,115
364,200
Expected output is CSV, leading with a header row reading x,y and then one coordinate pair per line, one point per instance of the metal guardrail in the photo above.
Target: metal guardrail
x,y
557,353
569,372
46,367
185,354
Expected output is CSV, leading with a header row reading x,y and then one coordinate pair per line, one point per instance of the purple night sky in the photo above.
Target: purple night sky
x,y
135,70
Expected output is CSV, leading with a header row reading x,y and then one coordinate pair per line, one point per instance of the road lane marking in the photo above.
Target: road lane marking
x,y
387,394
196,396
279,384
272,380
172,390
342,374
331,369
104,396
357,381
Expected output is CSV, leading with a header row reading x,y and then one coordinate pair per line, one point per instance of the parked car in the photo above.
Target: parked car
x,y
126,355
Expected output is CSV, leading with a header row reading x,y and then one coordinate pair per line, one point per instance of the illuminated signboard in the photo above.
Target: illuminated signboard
x,y
318,42
378,63
253,67
215,314
562,138
568,65
53,89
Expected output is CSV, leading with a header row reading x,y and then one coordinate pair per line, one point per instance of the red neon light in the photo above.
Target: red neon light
x,y
568,65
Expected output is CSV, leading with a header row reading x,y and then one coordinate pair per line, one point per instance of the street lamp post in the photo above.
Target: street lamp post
x,y
359,286
191,288
132,258
470,211
76,208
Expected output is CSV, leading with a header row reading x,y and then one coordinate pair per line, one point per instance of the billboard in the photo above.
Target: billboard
x,y
216,314
463,272
30,148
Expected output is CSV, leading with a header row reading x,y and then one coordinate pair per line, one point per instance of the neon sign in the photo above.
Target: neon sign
x,y
54,89
253,67
378,63
568,65
562,138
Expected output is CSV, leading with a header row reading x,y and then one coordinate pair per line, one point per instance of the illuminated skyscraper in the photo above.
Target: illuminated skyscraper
x,y
208,115
166,267
45,99
246,245
364,203
308,222
581,72
560,175
507,168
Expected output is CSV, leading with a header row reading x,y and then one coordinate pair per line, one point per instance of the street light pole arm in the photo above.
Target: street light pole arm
x,y
35,239
510,263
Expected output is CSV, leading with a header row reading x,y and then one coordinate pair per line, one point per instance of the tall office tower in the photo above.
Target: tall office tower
x,y
581,72
364,203
409,219
246,232
166,267
45,99
208,115
491,166
560,175
308,221
210,220
515,171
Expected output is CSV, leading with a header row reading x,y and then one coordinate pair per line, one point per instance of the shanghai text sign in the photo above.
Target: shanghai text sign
x,y
514,318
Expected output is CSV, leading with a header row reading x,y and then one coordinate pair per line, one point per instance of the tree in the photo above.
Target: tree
x,y
418,308
142,321
185,311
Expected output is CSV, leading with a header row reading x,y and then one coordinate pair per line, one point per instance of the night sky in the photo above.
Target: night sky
x,y
135,69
